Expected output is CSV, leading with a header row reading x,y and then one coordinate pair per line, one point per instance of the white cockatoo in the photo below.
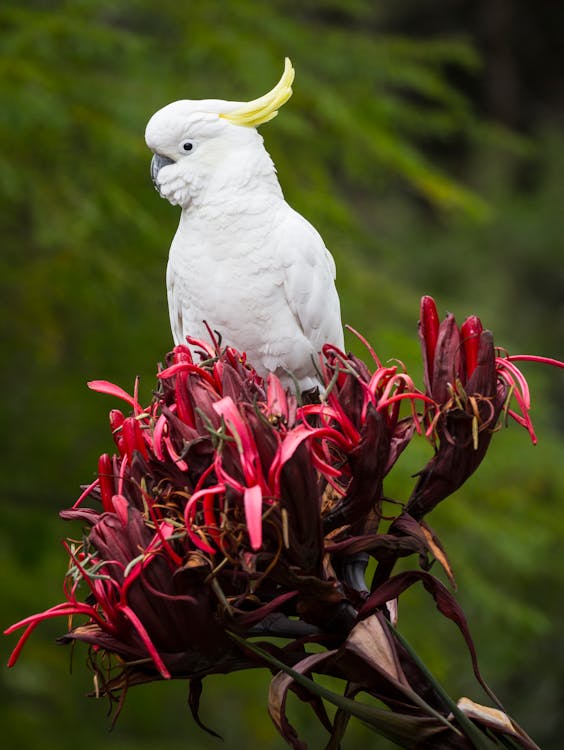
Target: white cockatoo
x,y
242,259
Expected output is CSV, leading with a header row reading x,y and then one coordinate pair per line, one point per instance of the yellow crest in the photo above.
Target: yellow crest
x,y
266,107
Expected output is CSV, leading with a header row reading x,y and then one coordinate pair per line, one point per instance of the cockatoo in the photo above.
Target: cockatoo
x,y
242,259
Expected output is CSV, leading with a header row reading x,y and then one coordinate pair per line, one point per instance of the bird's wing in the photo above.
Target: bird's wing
x,y
309,283
174,307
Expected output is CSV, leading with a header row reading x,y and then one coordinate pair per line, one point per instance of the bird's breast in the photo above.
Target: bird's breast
x,y
250,275
229,279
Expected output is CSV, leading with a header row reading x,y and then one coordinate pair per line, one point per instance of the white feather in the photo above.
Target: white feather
x,y
242,260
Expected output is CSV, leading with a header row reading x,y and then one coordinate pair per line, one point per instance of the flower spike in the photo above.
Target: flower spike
x,y
227,513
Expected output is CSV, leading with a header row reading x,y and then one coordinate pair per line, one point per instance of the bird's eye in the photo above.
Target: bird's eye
x,y
186,146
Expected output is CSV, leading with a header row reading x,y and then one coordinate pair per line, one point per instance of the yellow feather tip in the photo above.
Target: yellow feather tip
x,y
255,113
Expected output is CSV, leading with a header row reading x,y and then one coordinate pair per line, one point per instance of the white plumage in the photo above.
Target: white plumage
x,y
242,259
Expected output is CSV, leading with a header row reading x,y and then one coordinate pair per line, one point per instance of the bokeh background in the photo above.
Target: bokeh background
x,y
424,141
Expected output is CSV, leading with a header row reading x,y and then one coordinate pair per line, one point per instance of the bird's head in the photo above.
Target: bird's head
x,y
211,142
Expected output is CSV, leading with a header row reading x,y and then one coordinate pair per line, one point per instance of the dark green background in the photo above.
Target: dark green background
x,y
424,142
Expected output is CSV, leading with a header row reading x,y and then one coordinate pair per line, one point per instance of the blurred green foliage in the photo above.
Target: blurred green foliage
x,y
413,191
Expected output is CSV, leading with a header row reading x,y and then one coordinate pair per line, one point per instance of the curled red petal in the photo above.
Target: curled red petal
x,y
104,386
186,367
366,343
181,353
535,358
140,628
241,431
190,512
158,436
85,493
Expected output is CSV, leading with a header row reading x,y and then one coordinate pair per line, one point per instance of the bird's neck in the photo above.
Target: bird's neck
x,y
246,183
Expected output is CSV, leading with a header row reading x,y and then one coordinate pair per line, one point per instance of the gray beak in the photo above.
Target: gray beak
x,y
157,163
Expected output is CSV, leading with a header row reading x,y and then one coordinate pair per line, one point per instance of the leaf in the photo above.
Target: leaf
x,y
406,730
439,552
372,642
496,720
194,694
478,739
446,604
278,692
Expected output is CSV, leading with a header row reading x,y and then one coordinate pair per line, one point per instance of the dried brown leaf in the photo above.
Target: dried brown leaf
x,y
439,553
371,640
496,720
278,693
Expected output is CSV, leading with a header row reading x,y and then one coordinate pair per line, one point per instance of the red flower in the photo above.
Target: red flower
x,y
361,434
472,386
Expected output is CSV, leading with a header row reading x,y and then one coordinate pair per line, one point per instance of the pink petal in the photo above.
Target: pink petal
x,y
32,622
182,353
182,465
535,358
164,530
366,344
139,627
190,511
276,397
204,346
120,507
237,426
503,363
285,451
104,386
158,434
187,367
86,492
253,514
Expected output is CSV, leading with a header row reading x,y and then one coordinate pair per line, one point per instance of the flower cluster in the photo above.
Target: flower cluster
x,y
471,386
231,510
